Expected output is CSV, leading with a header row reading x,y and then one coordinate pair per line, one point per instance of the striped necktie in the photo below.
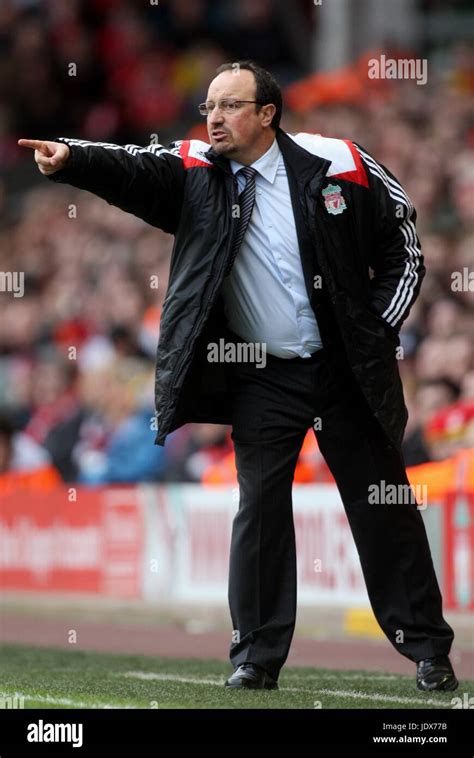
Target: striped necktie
x,y
246,203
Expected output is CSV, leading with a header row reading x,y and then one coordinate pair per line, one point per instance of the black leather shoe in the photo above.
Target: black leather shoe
x,y
436,674
252,677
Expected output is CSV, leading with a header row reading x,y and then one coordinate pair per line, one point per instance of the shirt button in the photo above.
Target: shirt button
x,y
289,286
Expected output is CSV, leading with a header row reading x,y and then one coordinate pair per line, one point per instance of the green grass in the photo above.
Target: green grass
x,y
51,678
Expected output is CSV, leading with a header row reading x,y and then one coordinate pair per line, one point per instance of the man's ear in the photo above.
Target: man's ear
x,y
268,112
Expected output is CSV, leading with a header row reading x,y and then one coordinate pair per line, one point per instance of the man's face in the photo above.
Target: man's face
x,y
232,133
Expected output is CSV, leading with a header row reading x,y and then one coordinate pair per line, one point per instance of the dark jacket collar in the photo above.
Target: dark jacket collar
x,y
218,160
304,164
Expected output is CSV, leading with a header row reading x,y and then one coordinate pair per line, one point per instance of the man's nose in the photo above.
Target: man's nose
x,y
216,116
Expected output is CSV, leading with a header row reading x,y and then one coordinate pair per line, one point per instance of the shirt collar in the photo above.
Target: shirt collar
x,y
266,165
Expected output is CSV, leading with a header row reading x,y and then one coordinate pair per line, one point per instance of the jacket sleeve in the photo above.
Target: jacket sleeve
x,y
396,257
145,181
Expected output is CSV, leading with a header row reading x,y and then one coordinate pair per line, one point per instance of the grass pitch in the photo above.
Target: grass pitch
x,y
53,678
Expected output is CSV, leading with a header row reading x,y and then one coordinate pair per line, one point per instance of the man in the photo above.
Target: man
x,y
304,218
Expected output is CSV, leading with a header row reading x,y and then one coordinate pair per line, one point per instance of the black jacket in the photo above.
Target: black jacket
x,y
351,215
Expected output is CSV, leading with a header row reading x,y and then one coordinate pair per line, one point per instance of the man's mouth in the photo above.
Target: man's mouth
x,y
217,135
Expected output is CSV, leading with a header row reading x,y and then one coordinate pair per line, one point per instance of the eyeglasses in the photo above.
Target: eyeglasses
x,y
228,106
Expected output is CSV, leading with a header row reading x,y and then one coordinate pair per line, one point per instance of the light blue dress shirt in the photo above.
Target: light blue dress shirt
x,y
265,296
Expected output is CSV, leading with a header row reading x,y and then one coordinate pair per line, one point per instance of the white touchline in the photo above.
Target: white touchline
x,y
68,701
218,681
358,678
384,698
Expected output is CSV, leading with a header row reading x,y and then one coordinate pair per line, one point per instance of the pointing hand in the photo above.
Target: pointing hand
x,y
50,156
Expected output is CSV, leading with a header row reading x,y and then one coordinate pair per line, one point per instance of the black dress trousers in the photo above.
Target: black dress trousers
x,y
272,409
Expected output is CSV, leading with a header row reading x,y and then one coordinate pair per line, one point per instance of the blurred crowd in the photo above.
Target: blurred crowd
x,y
77,350
118,70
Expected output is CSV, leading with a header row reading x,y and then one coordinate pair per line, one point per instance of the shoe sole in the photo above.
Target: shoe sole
x,y
450,687
251,687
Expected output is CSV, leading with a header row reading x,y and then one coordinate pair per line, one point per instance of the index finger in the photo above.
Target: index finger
x,y
35,144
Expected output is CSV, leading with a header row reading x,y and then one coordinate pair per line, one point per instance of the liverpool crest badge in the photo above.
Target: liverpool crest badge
x,y
333,199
